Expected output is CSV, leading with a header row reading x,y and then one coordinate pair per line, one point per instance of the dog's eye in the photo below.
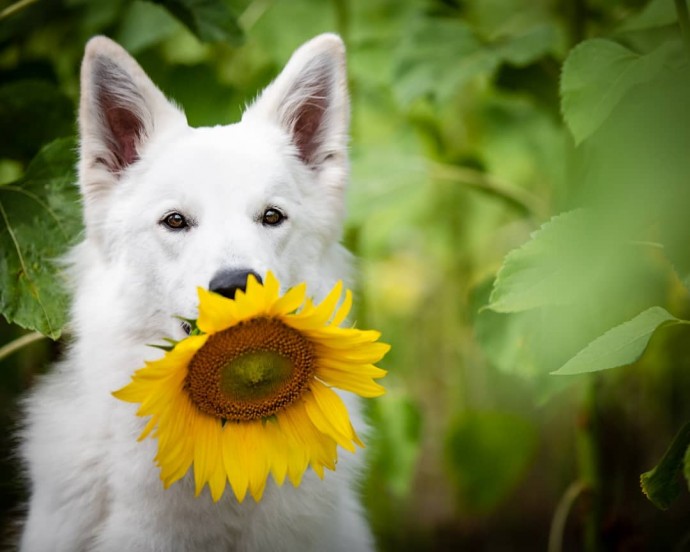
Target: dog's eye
x,y
272,217
175,221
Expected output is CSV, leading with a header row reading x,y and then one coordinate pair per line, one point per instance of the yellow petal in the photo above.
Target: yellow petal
x,y
217,478
355,384
324,311
290,302
205,456
256,450
234,459
297,457
343,310
351,369
216,312
147,429
328,413
277,447
271,289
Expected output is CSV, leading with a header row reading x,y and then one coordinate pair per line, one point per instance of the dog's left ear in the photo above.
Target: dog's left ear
x,y
309,101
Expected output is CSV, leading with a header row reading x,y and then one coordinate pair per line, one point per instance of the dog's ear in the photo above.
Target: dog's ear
x,y
120,110
309,100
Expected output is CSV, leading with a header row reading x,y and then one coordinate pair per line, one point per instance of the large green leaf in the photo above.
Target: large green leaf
x,y
597,74
550,267
621,345
209,20
488,453
39,220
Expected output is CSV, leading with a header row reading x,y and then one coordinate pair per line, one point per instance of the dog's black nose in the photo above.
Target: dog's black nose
x,y
228,281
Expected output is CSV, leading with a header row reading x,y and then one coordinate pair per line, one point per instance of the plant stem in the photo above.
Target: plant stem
x,y
560,516
516,197
683,21
14,8
252,13
588,464
9,348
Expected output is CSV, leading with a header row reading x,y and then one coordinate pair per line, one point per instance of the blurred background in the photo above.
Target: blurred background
x,y
518,204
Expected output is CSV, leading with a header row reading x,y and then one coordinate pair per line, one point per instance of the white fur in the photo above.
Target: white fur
x,y
94,487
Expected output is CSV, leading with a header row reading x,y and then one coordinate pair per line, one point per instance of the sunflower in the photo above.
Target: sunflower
x,y
249,392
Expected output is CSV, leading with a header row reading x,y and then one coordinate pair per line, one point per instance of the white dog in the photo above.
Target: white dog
x,y
168,208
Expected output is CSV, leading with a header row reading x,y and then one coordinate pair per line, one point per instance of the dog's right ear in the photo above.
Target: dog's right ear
x,y
119,112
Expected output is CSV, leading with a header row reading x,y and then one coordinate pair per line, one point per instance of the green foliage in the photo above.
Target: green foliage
x,y
396,448
621,345
546,270
422,67
24,101
39,219
488,453
210,20
598,74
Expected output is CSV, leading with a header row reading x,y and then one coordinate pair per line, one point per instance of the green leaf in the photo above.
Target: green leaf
x,y
209,20
526,47
548,269
597,74
658,13
488,453
423,68
660,484
39,220
621,345
144,24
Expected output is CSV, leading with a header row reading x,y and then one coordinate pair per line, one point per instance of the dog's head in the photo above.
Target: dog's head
x,y
169,207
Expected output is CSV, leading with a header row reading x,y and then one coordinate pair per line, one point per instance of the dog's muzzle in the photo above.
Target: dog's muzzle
x,y
227,282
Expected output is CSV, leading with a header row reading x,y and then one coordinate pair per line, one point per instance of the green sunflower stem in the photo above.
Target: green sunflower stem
x,y
588,456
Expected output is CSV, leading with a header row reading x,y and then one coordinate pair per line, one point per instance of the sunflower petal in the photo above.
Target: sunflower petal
x,y
216,312
277,447
234,459
290,302
363,387
343,310
204,454
271,289
217,476
329,414
259,466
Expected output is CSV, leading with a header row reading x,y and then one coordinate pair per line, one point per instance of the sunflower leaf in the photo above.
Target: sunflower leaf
x,y
39,219
597,74
621,345
548,269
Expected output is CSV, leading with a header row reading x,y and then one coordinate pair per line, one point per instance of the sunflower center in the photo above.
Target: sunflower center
x,y
255,375
250,371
